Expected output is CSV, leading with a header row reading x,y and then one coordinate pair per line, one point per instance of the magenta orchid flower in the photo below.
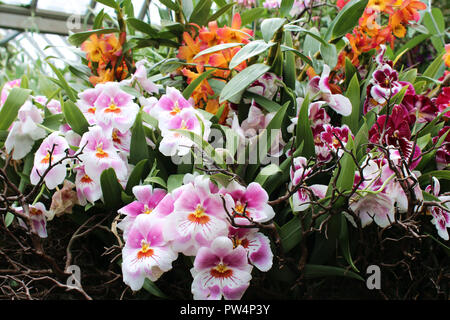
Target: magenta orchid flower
x,y
147,199
52,150
221,270
140,75
255,243
115,108
146,254
250,202
100,154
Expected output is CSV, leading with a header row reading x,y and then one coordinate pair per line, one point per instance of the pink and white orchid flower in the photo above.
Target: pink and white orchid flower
x,y
38,216
52,150
146,254
321,86
115,108
100,154
25,131
441,218
255,243
221,270
250,202
147,199
88,189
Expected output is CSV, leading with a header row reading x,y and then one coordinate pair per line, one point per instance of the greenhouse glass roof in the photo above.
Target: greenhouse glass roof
x,y
39,28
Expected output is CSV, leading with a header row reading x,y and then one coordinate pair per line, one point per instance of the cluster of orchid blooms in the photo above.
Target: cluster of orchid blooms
x,y
213,223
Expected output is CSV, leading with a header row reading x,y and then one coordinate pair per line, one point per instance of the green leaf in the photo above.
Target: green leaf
x,y
201,12
329,54
174,181
149,119
266,172
110,3
249,16
289,68
75,118
439,174
77,39
344,243
171,5
250,50
270,26
346,19
137,175
216,48
221,11
196,82
152,288
111,189
63,83
188,8
285,7
298,53
142,27
157,180
319,271
303,131
295,28
433,20
268,105
411,44
9,218
9,111
138,144
291,234
353,93
98,22
234,89
434,67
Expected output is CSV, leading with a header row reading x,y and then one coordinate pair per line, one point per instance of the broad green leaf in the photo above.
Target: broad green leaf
x,y
221,11
110,3
412,43
270,26
289,68
346,19
216,48
291,234
142,27
188,8
329,54
344,243
174,181
152,288
268,105
157,180
295,28
434,67
249,16
298,53
138,144
433,20
201,12
111,189
265,172
438,174
149,120
9,218
63,83
250,50
77,39
353,94
140,171
234,89
9,111
75,117
303,131
319,271
171,5
285,7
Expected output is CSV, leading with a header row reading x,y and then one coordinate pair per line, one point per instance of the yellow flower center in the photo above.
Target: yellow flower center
x,y
145,251
221,271
199,216
47,159
101,153
113,108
